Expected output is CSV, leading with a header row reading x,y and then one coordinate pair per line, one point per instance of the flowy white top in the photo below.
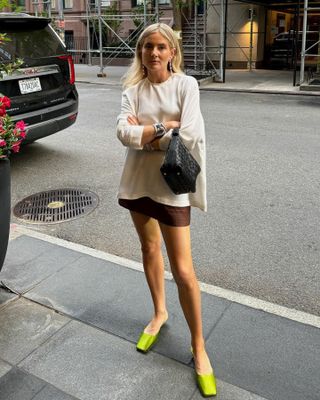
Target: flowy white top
x,y
176,99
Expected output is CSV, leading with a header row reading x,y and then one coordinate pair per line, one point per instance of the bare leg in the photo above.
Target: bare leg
x,y
178,244
150,238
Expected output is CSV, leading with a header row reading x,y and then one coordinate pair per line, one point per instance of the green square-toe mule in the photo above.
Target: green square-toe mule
x,y
207,384
146,341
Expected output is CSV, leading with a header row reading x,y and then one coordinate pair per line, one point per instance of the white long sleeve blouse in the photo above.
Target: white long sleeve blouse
x,y
176,99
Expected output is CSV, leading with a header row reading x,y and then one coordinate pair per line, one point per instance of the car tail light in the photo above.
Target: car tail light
x,y
73,117
71,67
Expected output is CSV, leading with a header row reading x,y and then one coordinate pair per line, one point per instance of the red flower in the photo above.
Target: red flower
x,y
2,111
3,143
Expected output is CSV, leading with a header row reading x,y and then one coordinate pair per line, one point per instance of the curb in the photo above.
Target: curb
x,y
304,89
259,91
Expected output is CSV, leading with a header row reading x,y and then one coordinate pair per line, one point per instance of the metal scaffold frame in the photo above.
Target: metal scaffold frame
x,y
145,18
305,51
95,14
208,59
197,42
202,49
203,52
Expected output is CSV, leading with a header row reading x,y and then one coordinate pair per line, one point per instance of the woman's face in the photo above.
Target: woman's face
x,y
156,53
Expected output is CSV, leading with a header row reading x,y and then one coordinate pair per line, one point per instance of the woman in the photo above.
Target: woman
x,y
158,98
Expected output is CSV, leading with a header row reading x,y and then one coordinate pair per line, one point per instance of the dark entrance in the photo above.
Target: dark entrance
x,y
283,34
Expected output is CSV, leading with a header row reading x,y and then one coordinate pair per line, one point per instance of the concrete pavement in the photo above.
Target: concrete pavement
x,y
71,316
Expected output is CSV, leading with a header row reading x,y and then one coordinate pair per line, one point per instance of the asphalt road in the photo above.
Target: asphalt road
x,y
260,235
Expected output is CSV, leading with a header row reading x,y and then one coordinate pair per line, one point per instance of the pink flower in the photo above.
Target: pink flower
x,y
16,147
11,133
21,125
5,101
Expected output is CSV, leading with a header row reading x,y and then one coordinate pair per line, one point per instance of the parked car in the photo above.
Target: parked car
x,y
282,49
42,90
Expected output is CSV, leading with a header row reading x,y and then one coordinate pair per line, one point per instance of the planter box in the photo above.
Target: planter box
x,y
5,207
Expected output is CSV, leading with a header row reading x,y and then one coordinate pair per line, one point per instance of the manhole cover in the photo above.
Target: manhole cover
x,y
56,206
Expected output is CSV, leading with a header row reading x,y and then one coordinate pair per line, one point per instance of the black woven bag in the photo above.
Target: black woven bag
x,y
179,168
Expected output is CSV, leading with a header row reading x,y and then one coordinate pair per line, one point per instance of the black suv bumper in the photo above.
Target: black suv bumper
x,y
51,120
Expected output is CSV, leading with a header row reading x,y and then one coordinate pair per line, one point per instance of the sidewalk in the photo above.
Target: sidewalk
x,y
256,81
69,330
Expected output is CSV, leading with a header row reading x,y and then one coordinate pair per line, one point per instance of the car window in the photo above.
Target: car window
x,y
22,44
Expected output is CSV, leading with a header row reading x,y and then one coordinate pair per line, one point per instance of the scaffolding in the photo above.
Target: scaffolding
x,y
201,57
201,51
107,53
212,59
96,22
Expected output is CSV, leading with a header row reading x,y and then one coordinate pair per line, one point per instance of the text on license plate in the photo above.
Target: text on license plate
x,y
30,85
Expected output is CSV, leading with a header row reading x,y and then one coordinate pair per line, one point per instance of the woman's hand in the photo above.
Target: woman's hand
x,y
171,125
155,144
133,120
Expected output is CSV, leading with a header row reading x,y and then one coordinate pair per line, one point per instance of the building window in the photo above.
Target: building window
x,y
21,3
67,3
136,3
104,3
53,3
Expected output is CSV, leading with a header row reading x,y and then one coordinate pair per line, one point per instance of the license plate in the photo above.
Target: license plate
x,y
30,85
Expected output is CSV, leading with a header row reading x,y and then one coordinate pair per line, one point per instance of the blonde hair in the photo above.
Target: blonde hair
x,y
135,72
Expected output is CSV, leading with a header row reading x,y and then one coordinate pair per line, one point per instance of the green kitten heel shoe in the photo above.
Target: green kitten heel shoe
x,y
206,383
146,341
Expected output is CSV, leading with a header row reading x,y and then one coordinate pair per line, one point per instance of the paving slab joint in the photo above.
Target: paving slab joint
x,y
8,289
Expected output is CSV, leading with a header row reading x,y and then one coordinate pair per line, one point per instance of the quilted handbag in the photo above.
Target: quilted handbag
x,y
179,168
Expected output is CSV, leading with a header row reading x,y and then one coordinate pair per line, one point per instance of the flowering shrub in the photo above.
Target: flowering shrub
x,y
11,134
8,68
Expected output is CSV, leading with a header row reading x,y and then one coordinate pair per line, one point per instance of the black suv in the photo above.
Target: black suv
x,y
42,90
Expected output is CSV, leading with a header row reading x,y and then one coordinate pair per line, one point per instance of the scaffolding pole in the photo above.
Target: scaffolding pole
x,y
88,34
204,60
225,25
101,74
222,40
304,36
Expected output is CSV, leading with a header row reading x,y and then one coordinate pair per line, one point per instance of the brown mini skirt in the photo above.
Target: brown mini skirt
x,y
168,215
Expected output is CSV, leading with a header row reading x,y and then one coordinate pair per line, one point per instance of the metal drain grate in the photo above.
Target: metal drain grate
x,y
56,206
